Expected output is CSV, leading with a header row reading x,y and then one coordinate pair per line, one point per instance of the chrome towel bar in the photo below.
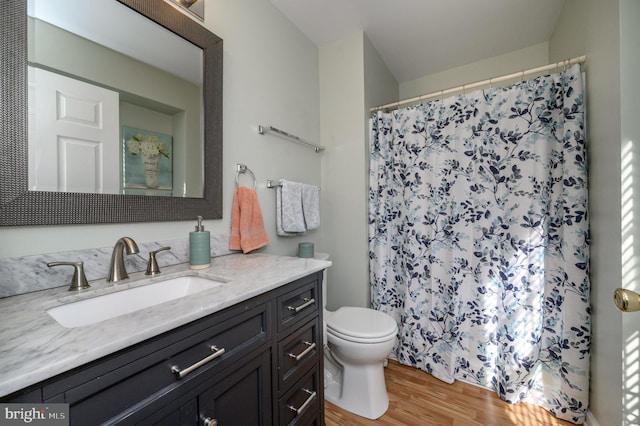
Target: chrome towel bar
x,y
270,129
274,183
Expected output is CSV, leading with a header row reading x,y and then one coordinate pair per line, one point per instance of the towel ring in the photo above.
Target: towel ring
x,y
241,168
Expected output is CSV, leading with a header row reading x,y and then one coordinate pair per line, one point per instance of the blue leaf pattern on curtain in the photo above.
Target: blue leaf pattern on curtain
x,y
478,239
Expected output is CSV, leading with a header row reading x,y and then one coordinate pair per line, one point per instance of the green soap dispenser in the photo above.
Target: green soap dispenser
x,y
199,247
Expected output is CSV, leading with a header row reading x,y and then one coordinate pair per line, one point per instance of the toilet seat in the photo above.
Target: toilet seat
x,y
361,325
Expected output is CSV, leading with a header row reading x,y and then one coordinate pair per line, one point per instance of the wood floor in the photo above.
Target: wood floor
x,y
417,398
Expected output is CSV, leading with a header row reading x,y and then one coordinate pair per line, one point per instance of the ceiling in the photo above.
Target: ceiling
x,y
420,37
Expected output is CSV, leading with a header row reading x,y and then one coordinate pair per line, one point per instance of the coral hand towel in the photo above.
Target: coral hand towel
x,y
247,225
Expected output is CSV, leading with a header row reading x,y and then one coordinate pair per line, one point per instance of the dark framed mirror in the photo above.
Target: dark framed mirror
x,y
21,206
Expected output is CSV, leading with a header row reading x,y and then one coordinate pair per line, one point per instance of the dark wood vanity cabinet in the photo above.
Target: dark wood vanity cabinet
x,y
256,363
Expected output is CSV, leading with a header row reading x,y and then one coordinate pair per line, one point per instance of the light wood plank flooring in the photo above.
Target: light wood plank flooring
x,y
418,398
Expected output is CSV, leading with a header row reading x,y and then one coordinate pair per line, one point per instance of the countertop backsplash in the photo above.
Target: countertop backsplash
x,y
30,273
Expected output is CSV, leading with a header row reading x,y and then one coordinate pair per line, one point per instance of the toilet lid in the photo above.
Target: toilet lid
x,y
354,323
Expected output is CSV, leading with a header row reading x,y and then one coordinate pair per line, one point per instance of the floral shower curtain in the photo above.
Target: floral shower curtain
x,y
478,239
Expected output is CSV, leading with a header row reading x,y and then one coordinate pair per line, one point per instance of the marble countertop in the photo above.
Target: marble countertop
x,y
34,347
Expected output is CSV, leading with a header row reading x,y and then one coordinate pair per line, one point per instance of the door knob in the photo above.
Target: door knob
x,y
626,300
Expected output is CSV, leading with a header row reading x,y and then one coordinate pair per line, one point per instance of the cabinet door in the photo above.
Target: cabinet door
x,y
186,415
241,398
237,396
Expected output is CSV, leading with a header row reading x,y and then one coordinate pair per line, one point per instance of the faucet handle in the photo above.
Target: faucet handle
x,y
152,266
79,279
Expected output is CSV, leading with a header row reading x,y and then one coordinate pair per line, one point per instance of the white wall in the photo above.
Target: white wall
x,y
508,63
343,170
630,177
353,77
270,78
593,27
380,85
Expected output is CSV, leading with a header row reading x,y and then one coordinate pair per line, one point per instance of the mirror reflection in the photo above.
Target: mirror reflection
x,y
115,102
20,206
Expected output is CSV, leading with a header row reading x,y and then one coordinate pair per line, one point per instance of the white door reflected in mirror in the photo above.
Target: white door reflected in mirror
x,y
73,135
156,76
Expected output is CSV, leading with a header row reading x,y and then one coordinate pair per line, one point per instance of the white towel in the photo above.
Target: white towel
x,y
290,207
297,208
279,230
311,206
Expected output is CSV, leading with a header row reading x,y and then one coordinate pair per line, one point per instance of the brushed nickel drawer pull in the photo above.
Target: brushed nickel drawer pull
x,y
307,302
181,373
298,411
310,347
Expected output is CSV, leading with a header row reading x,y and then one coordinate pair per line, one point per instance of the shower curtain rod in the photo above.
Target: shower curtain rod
x,y
488,82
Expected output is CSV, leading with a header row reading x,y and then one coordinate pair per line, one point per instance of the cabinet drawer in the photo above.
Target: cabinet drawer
x,y
297,353
142,375
299,304
302,403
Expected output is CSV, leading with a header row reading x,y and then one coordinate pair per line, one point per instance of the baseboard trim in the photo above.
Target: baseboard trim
x,y
591,419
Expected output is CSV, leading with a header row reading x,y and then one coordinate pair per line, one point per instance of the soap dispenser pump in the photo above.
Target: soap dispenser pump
x,y
199,247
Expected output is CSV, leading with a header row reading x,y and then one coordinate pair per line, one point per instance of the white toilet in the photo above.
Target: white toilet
x,y
358,341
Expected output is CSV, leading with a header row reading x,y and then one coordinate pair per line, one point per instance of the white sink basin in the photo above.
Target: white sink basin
x,y
100,308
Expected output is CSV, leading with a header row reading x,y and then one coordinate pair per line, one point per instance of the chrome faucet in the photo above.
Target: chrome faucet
x,y
117,269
